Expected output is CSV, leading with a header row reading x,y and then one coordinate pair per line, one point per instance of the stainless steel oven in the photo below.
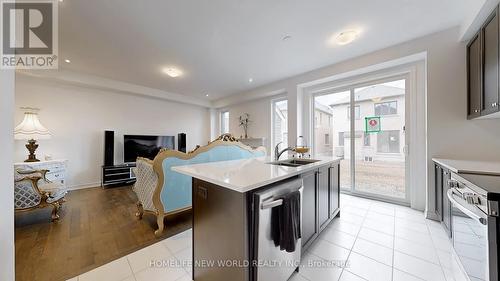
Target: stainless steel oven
x,y
474,230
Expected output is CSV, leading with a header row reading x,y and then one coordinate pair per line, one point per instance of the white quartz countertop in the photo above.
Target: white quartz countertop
x,y
470,167
248,174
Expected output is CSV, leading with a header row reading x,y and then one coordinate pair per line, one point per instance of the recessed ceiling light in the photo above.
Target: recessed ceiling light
x,y
172,72
346,37
250,80
206,95
67,61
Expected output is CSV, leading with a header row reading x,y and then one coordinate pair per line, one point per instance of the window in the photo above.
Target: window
x,y
388,142
327,139
357,112
366,140
386,108
224,122
341,138
279,123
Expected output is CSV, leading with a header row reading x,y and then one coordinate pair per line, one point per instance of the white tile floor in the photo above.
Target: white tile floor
x,y
379,241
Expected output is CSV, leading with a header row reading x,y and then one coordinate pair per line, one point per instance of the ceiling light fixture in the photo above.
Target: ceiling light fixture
x,y
250,80
346,37
206,95
286,37
67,61
172,72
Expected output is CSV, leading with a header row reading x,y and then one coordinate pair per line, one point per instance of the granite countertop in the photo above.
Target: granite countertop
x,y
248,174
470,167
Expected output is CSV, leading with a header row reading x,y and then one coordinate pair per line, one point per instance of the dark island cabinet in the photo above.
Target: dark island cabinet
x,y
483,73
320,203
309,208
323,197
334,190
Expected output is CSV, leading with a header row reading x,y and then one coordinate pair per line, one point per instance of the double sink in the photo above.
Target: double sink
x,y
293,162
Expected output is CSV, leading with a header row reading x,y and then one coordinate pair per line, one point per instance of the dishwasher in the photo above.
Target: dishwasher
x,y
273,263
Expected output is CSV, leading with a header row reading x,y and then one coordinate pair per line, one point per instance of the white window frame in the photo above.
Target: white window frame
x,y
221,121
273,104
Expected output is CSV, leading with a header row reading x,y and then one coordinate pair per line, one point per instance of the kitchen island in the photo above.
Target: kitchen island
x,y
232,206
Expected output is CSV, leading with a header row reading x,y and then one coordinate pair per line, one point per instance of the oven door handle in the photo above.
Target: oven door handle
x,y
468,212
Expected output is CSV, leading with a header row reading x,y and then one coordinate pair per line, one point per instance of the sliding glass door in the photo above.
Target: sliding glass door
x,y
368,130
332,132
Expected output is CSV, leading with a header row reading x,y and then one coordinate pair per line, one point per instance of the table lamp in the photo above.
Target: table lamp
x,y
31,130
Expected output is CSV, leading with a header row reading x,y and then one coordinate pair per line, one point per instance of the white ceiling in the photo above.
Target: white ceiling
x,y
220,44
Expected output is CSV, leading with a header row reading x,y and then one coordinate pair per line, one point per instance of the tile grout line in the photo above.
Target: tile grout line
x,y
393,245
130,266
436,251
355,239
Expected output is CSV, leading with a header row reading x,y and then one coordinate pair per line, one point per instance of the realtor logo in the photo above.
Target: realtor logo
x,y
29,34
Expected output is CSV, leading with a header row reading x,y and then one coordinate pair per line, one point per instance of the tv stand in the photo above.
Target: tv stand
x,y
117,175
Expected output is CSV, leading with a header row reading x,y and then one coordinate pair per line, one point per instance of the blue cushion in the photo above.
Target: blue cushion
x,y
176,192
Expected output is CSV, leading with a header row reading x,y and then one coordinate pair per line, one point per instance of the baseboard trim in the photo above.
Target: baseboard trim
x,y
84,186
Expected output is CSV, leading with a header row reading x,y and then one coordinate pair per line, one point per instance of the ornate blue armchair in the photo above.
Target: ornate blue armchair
x,y
162,191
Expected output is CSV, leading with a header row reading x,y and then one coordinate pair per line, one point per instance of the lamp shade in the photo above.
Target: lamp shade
x,y
31,128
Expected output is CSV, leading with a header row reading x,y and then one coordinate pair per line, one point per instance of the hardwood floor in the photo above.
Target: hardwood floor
x,y
96,226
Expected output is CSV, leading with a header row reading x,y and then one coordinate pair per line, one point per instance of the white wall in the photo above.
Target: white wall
x,y
260,115
6,175
450,134
77,117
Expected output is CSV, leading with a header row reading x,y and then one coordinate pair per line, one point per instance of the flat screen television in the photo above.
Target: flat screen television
x,y
145,146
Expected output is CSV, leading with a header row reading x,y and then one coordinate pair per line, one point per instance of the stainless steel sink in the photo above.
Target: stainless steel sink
x,y
294,162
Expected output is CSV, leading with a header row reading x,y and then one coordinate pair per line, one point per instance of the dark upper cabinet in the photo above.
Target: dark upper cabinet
x,y
310,227
474,85
483,70
323,197
489,40
334,189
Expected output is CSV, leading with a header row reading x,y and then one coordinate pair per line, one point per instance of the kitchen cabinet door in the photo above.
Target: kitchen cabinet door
x,y
489,40
323,197
309,208
446,176
334,189
439,191
474,80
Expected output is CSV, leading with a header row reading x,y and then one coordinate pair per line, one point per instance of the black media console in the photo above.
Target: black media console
x,y
117,175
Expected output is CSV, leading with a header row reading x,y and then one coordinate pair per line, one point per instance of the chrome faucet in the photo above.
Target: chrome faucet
x,y
277,153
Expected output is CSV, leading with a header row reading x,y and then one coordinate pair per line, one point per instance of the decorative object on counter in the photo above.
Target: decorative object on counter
x,y
172,192
245,122
303,149
32,190
31,130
